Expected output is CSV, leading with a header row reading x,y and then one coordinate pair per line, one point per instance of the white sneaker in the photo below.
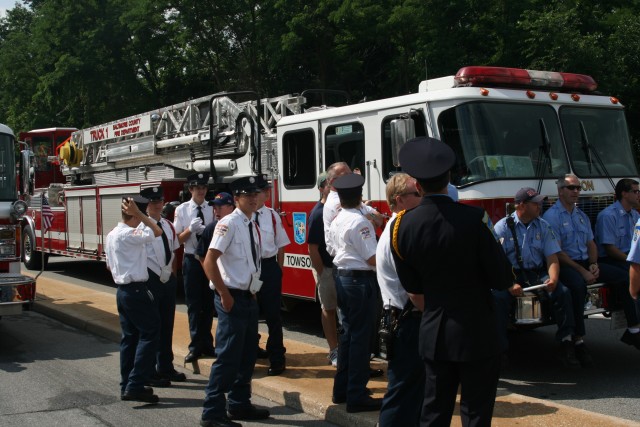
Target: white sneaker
x,y
333,357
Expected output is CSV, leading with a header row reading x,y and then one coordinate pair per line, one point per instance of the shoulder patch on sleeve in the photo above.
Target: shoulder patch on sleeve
x,y
365,232
221,230
636,233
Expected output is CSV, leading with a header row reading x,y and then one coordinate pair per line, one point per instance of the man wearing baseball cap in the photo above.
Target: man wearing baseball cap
x,y
532,249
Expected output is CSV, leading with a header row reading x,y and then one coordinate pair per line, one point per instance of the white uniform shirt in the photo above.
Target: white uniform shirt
x,y
231,237
126,254
330,212
183,216
354,239
393,294
271,242
155,250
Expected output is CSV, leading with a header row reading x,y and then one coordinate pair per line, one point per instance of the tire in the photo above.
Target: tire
x,y
31,258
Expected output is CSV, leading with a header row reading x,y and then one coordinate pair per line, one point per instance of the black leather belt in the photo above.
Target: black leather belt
x,y
398,313
238,293
356,273
190,256
270,259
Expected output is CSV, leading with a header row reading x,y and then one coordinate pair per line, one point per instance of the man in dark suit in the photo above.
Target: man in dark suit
x,y
448,260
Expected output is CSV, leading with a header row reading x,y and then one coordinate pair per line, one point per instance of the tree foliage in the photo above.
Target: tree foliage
x,y
70,63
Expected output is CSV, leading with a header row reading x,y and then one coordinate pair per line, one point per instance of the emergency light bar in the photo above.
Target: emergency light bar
x,y
488,76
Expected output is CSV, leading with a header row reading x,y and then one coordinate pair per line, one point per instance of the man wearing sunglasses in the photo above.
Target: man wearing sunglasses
x,y
579,256
614,232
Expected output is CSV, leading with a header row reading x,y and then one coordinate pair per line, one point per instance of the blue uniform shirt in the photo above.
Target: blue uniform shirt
x,y
537,241
316,234
634,252
573,229
615,226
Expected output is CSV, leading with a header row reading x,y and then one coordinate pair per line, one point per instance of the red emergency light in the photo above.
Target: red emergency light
x,y
497,76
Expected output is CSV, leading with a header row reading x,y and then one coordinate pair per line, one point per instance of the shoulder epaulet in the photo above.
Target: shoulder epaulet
x,y
396,227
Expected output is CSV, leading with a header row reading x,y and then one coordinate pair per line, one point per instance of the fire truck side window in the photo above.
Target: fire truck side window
x,y
299,159
345,143
495,140
7,169
388,169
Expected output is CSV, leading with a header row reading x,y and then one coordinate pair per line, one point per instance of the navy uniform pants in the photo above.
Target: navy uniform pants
x,y
405,391
236,336
572,279
621,291
270,302
357,298
478,380
200,310
140,324
561,303
165,294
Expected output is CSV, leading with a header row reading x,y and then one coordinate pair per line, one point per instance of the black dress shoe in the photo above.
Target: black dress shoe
x,y
219,422
139,396
192,356
159,381
175,376
249,413
339,399
369,404
276,369
375,373
261,353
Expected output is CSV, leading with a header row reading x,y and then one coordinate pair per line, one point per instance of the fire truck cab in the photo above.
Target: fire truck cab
x,y
17,291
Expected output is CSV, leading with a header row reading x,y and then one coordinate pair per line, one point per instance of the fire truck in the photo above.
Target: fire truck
x,y
16,290
509,128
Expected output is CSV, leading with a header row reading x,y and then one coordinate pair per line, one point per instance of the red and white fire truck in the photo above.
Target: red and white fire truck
x,y
16,290
509,128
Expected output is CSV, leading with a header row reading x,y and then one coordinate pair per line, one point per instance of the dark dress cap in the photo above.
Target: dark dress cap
x,y
528,194
263,182
245,185
349,185
426,158
141,202
152,193
199,178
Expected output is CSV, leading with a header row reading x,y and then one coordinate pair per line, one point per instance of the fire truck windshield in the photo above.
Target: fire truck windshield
x,y
7,169
525,141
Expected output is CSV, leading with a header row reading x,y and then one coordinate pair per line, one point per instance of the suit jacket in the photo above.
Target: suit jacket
x,y
450,255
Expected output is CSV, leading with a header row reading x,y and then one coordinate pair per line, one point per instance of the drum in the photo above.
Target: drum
x,y
528,310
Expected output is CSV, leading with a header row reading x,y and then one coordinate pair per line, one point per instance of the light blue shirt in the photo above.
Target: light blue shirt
x,y
452,191
537,241
573,229
615,226
634,252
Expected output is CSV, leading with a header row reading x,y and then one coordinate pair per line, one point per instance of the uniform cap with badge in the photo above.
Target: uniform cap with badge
x,y
263,182
245,185
528,194
222,199
349,185
199,178
152,193
140,201
426,158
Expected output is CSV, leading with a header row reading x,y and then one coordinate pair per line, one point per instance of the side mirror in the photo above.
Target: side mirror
x,y
402,130
27,173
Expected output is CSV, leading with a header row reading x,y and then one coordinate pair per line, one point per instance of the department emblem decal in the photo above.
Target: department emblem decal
x,y
300,227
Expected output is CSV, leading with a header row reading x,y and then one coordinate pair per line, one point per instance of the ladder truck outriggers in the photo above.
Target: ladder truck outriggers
x,y
510,128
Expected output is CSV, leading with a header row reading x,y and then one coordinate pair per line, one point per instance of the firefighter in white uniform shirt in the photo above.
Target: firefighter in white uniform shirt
x,y
138,312
163,282
233,266
353,241
274,239
190,220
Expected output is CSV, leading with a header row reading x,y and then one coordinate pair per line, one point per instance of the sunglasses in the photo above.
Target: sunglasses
x,y
573,187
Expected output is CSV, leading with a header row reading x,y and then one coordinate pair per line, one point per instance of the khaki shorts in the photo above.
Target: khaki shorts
x,y
327,289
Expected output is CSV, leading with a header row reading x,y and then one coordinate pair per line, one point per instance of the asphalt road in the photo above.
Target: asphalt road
x,y
612,387
53,374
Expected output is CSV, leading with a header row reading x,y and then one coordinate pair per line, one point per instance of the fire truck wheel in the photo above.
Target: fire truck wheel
x,y
32,259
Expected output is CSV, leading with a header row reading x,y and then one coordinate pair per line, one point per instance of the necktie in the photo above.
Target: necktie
x,y
165,242
201,216
253,245
257,220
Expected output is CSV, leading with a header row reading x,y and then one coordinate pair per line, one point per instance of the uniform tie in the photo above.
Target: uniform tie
x,y
257,221
201,216
165,242
253,245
